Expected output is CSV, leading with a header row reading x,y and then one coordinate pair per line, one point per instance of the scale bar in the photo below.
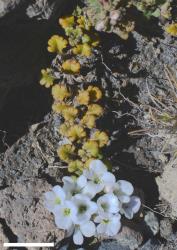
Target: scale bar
x,y
29,244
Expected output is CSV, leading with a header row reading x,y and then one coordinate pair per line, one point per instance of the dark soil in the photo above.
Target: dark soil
x,y
29,161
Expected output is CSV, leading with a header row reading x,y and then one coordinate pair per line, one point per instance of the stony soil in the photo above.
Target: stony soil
x,y
127,71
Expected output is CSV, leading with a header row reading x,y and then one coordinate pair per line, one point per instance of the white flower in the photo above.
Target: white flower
x,y
54,197
99,178
73,186
86,229
64,215
123,189
131,208
85,208
109,224
108,203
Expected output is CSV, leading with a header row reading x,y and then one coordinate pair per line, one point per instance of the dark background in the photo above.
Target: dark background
x,y
23,53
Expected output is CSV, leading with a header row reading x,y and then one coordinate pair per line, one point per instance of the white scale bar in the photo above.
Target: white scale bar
x,y
28,244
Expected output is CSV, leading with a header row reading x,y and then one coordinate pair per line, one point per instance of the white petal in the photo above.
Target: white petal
x,y
88,173
88,229
49,195
126,187
118,216
78,237
116,189
108,179
98,167
70,231
81,219
128,212
56,210
49,198
108,203
69,186
72,207
59,210
59,192
101,228
114,226
81,181
81,200
81,197
129,209
99,187
135,204
109,187
114,204
124,198
49,206
66,223
90,189
92,207
63,222
68,179
98,219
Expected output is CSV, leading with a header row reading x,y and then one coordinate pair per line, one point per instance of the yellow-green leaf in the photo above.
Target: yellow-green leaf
x,y
71,66
56,44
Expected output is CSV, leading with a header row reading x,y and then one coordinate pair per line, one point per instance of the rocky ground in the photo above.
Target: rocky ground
x,y
138,77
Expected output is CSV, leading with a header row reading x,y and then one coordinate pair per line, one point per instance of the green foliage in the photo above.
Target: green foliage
x,y
154,8
78,107
110,16
116,15
47,78
80,40
77,28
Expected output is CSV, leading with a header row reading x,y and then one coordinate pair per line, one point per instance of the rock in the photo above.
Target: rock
x,y
41,9
152,244
3,237
165,228
47,9
26,173
152,222
112,245
29,168
171,242
8,5
167,186
151,81
143,153
33,156
21,206
129,237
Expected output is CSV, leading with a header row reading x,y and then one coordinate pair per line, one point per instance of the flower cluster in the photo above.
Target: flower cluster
x,y
80,112
92,204
79,40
